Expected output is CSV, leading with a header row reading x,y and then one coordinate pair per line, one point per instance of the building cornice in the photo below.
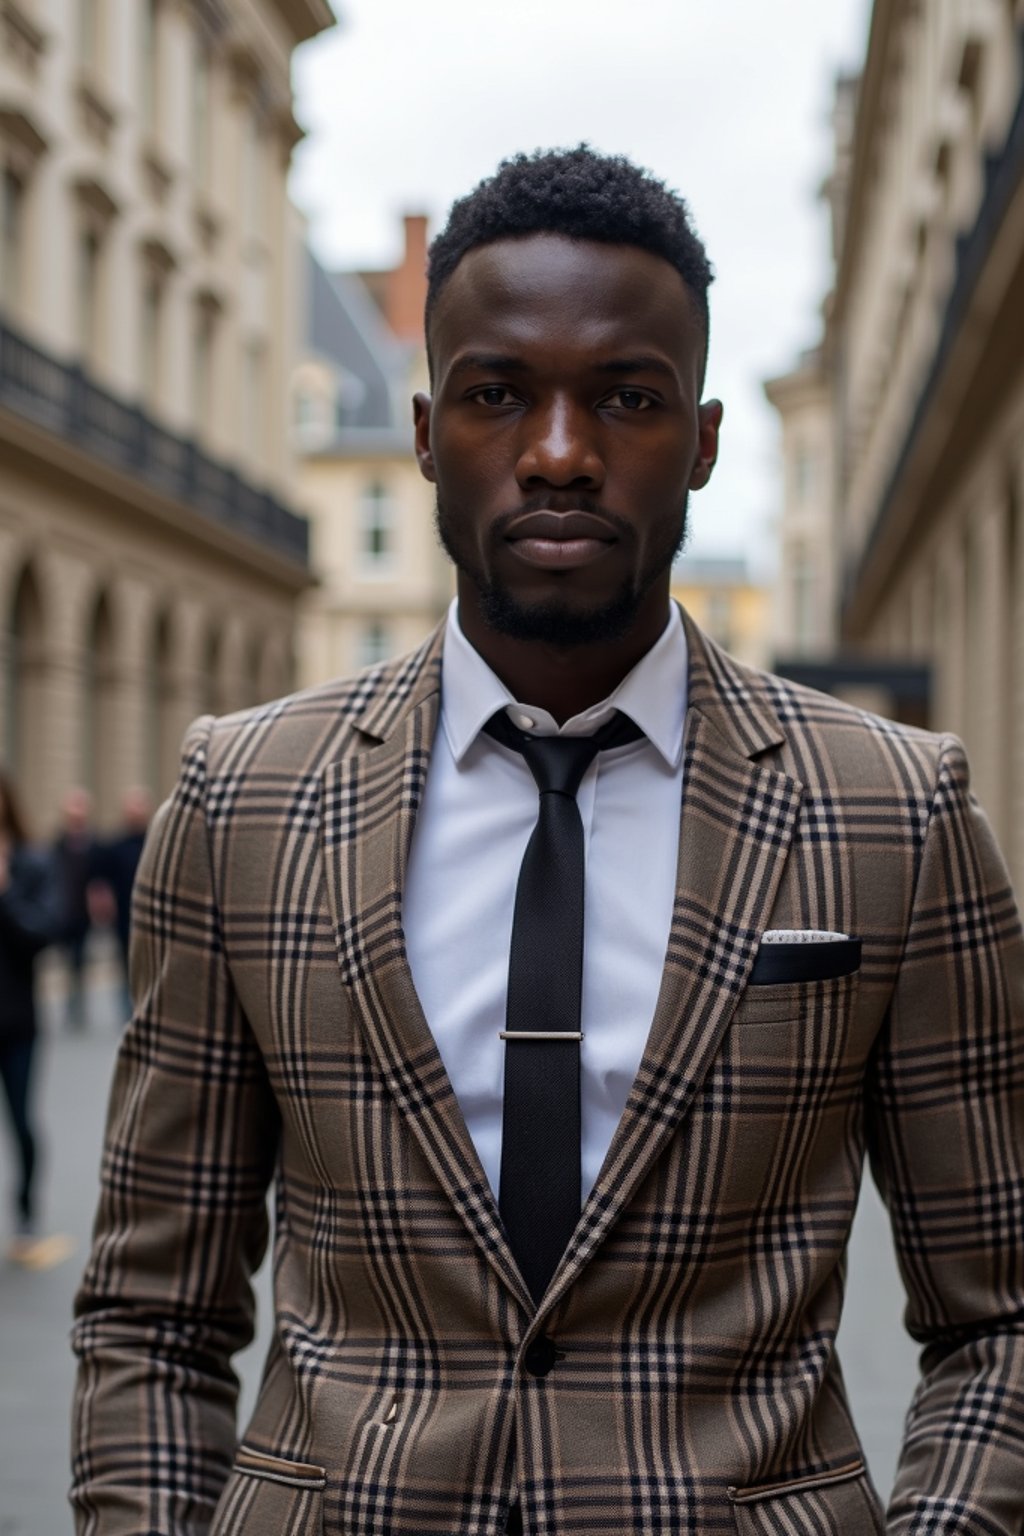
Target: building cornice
x,y
306,18
807,381
884,17
976,346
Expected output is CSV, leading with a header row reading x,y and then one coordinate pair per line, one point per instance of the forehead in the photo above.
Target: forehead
x,y
544,289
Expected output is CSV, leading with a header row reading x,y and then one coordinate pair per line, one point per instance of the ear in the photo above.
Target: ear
x,y
709,422
421,407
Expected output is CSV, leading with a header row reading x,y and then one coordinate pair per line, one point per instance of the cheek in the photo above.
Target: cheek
x,y
653,475
472,470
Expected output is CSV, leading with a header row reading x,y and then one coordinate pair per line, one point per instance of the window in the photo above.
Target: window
x,y
803,600
376,529
804,475
151,339
374,643
149,64
12,235
253,367
90,32
314,414
253,177
201,115
89,257
202,365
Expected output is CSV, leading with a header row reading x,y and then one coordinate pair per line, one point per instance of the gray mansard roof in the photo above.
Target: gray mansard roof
x,y
345,328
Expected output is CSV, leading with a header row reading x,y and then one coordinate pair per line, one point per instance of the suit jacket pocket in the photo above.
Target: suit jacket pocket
x,y
818,1001
837,1502
777,964
269,1495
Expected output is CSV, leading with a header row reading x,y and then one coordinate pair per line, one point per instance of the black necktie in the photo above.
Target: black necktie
x,y
539,1192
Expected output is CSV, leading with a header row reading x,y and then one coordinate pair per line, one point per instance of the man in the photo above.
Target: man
x,y
116,863
74,853
361,963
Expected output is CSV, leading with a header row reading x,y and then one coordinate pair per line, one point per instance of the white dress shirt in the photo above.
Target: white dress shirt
x,y
479,807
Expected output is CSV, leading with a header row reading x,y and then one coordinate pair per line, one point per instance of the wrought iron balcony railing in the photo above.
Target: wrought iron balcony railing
x,y
65,401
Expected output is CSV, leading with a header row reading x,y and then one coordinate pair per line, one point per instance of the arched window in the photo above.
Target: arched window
x,y
24,727
213,683
100,767
161,747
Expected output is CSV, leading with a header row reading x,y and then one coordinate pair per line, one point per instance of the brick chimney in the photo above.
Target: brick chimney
x,y
407,284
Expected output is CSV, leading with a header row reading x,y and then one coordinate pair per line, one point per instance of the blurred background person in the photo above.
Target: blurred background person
x,y
28,922
75,866
114,863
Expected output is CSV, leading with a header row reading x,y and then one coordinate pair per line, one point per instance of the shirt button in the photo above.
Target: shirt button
x,y
525,722
540,1355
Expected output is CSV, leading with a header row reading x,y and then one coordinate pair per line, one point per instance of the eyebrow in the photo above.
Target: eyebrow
x,y
488,362
643,363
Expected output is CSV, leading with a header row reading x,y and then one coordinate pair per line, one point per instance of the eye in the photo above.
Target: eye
x,y
630,400
494,395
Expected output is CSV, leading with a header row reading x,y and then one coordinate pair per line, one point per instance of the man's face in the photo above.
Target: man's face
x,y
565,434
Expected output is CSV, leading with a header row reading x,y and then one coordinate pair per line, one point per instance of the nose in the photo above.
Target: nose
x,y
559,449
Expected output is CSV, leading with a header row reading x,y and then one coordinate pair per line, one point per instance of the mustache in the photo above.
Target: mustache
x,y
561,501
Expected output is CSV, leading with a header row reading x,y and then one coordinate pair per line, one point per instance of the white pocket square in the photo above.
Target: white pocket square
x,y
801,936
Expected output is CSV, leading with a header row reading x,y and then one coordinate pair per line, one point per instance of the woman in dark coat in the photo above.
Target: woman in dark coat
x,y
28,920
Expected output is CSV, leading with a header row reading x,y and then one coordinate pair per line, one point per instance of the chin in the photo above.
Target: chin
x,y
553,621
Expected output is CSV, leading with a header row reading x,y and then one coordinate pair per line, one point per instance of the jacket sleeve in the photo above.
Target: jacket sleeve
x,y
946,1132
190,1144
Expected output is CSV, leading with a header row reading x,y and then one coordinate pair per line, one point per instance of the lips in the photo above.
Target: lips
x,y
559,540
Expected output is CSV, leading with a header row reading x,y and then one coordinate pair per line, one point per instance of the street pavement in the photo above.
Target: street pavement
x,y
36,1366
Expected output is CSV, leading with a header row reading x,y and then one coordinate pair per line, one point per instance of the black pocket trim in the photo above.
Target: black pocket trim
x,y
806,1484
823,960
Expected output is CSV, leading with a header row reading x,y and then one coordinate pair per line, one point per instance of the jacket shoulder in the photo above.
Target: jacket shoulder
x,y
304,730
827,739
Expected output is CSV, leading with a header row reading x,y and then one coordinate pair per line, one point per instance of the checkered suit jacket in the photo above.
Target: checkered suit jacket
x,y
696,1387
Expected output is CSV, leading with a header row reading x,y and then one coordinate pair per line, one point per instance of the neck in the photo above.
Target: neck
x,y
564,680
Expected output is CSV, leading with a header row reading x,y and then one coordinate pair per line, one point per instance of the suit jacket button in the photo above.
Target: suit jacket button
x,y
540,1355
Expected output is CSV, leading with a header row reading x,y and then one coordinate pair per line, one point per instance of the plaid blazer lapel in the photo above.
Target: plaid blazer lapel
x,y
736,824
370,802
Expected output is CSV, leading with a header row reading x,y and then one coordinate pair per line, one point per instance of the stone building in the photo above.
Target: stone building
x,y
150,562
724,598
383,581
922,369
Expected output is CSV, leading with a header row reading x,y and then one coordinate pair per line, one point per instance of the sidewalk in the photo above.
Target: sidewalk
x,y
36,1365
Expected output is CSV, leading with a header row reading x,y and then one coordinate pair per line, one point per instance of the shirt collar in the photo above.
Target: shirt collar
x,y
653,694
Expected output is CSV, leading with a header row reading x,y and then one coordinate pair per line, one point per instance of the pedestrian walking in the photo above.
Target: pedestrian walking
x,y
74,854
115,861
28,922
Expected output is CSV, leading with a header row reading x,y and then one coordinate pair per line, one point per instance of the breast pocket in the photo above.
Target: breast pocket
x,y
790,1070
815,1002
840,1502
270,1496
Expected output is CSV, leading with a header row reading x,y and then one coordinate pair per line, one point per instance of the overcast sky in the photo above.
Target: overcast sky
x,y
409,104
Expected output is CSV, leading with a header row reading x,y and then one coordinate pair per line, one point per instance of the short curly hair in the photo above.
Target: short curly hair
x,y
583,195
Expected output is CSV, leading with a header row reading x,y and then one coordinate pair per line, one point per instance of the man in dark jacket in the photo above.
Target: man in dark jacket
x,y
74,853
28,922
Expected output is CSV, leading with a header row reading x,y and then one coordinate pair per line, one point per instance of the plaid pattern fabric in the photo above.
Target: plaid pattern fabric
x,y
277,1035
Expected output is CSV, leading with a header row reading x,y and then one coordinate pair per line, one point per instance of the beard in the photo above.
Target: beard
x,y
554,621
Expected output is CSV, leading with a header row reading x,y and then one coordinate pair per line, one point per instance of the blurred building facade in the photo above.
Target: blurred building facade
x,y
727,602
916,396
382,580
150,560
